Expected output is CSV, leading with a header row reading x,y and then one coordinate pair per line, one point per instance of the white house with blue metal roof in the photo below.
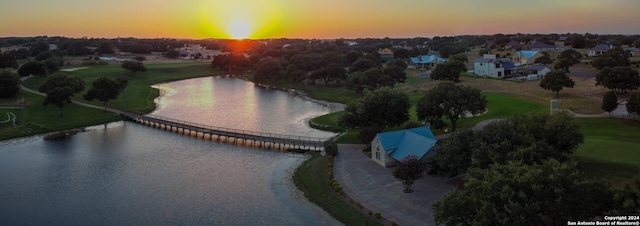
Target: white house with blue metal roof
x,y
390,147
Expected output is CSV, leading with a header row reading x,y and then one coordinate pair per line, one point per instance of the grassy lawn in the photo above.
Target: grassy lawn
x,y
139,93
611,150
312,178
40,119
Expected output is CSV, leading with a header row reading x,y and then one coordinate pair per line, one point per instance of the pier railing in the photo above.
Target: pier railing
x,y
236,133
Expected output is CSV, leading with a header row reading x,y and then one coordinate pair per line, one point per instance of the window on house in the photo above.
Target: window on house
x,y
377,155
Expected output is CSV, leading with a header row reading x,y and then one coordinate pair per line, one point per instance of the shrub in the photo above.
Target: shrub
x,y
377,215
331,148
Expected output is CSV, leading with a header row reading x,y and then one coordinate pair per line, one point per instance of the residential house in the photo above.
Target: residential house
x,y
385,54
512,45
509,68
540,46
390,147
425,61
535,72
631,50
488,66
525,57
598,50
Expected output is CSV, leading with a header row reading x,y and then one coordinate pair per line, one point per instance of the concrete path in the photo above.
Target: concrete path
x,y
375,188
75,102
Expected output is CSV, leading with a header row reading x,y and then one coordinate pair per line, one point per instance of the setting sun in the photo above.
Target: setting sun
x,y
239,29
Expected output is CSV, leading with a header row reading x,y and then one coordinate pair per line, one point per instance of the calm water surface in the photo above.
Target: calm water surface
x,y
126,173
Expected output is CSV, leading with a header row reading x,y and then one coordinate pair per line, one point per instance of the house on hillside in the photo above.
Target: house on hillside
x,y
535,72
540,46
390,147
512,45
631,50
385,54
598,50
488,66
525,57
425,61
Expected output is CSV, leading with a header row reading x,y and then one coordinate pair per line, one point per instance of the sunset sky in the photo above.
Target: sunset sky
x,y
325,19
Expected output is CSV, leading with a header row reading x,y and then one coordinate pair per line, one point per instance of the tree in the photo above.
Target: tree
x,y
352,56
401,53
408,171
124,82
453,156
518,194
134,66
570,54
395,69
563,64
59,97
9,84
332,72
59,89
268,69
544,59
173,54
448,71
556,80
8,61
38,48
615,57
382,107
141,58
459,57
633,104
103,89
609,102
578,42
371,79
33,68
105,47
53,64
619,79
362,65
367,134
451,100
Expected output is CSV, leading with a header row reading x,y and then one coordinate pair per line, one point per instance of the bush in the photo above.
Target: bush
x,y
331,148
377,215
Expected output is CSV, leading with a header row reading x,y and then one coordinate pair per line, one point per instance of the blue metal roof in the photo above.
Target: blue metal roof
x,y
508,66
527,54
427,59
402,143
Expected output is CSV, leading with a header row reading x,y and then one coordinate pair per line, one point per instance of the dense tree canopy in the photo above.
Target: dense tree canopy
x,y
633,104
448,71
38,48
103,89
382,107
609,102
563,64
7,60
618,79
60,88
408,171
514,193
544,59
615,57
33,68
268,69
9,84
570,54
450,100
556,80
134,66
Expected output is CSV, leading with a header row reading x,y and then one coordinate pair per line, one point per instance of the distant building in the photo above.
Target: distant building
x,y
385,54
525,57
390,147
535,72
540,46
425,61
488,66
598,50
512,45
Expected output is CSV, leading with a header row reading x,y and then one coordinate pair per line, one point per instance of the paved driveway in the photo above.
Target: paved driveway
x,y
375,188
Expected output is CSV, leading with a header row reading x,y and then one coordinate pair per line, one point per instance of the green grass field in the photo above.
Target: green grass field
x,y
40,119
611,150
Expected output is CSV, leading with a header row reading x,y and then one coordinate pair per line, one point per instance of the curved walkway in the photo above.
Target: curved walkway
x,y
75,102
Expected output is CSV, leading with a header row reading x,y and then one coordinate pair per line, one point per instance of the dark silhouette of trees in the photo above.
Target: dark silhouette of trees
x,y
556,80
59,89
33,68
609,102
618,79
134,66
8,61
448,71
9,84
615,57
633,104
408,171
103,89
451,100
382,107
